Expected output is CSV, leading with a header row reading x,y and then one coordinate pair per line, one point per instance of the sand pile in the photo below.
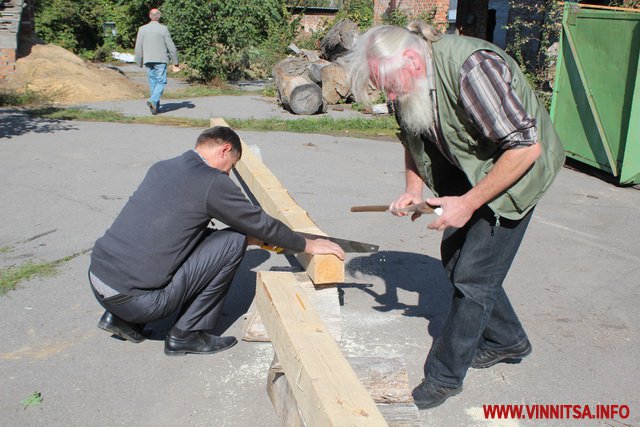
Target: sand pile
x,y
65,78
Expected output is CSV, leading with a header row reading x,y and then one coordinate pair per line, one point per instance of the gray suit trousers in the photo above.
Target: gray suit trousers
x,y
198,288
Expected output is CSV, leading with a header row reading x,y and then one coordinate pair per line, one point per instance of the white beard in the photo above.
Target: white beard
x,y
415,110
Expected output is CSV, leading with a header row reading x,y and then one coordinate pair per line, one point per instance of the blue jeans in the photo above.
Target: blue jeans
x,y
157,77
477,258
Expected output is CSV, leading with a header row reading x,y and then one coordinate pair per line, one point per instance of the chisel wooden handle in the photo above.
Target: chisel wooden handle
x,y
423,208
370,208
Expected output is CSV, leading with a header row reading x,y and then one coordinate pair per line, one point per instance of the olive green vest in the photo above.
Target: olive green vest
x,y
475,154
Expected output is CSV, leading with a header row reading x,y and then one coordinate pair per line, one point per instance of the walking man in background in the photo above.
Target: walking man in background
x,y
475,133
154,49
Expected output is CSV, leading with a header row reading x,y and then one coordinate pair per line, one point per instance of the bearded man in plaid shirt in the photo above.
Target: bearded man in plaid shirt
x,y
475,133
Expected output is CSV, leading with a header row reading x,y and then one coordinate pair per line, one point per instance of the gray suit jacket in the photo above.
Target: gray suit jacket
x,y
154,44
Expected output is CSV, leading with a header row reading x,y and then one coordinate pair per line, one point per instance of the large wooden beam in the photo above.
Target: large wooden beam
x,y
277,202
325,300
326,389
385,379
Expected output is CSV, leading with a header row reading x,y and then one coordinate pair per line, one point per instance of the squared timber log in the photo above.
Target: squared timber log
x,y
325,387
384,378
324,299
277,202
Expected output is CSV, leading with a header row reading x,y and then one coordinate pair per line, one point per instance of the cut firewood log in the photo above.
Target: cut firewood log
x,y
315,70
293,66
297,93
311,55
339,40
334,84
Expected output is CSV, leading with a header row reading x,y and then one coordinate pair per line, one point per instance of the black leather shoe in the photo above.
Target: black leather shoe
x,y
200,343
121,328
429,395
487,357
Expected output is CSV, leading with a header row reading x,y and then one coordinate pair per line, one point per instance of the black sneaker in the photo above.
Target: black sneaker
x,y
487,357
121,328
429,395
152,108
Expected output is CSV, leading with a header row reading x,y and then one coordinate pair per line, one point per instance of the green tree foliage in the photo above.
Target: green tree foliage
x,y
237,39
72,24
360,12
541,29
402,17
76,25
128,15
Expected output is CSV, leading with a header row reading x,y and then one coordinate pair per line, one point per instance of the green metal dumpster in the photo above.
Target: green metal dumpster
x,y
595,105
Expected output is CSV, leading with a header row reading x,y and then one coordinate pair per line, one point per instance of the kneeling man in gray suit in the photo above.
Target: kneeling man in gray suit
x,y
162,255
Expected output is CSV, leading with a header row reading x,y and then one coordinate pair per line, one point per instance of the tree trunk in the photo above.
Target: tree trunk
x,y
334,84
296,91
339,40
315,70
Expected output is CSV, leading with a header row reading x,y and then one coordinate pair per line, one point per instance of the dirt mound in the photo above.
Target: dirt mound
x,y
64,78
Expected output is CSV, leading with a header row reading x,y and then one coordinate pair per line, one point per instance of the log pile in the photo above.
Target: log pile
x,y
312,80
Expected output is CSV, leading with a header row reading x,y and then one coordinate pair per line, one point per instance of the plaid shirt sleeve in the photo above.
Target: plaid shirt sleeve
x,y
492,105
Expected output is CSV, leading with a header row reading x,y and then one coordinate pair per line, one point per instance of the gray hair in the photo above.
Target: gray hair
x,y
376,56
155,15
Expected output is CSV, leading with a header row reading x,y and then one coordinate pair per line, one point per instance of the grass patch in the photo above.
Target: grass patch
x,y
115,117
5,249
270,91
78,114
10,277
13,98
372,127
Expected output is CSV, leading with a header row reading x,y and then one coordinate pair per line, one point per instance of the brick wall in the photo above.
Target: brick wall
x,y
413,8
313,22
7,61
19,22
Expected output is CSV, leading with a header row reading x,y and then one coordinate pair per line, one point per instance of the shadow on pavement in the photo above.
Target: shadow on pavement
x,y
16,123
410,272
242,290
173,106
400,271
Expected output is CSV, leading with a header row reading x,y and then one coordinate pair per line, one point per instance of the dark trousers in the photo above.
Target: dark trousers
x,y
477,258
198,288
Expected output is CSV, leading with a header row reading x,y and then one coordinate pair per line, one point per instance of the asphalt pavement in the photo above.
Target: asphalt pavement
x,y
575,281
